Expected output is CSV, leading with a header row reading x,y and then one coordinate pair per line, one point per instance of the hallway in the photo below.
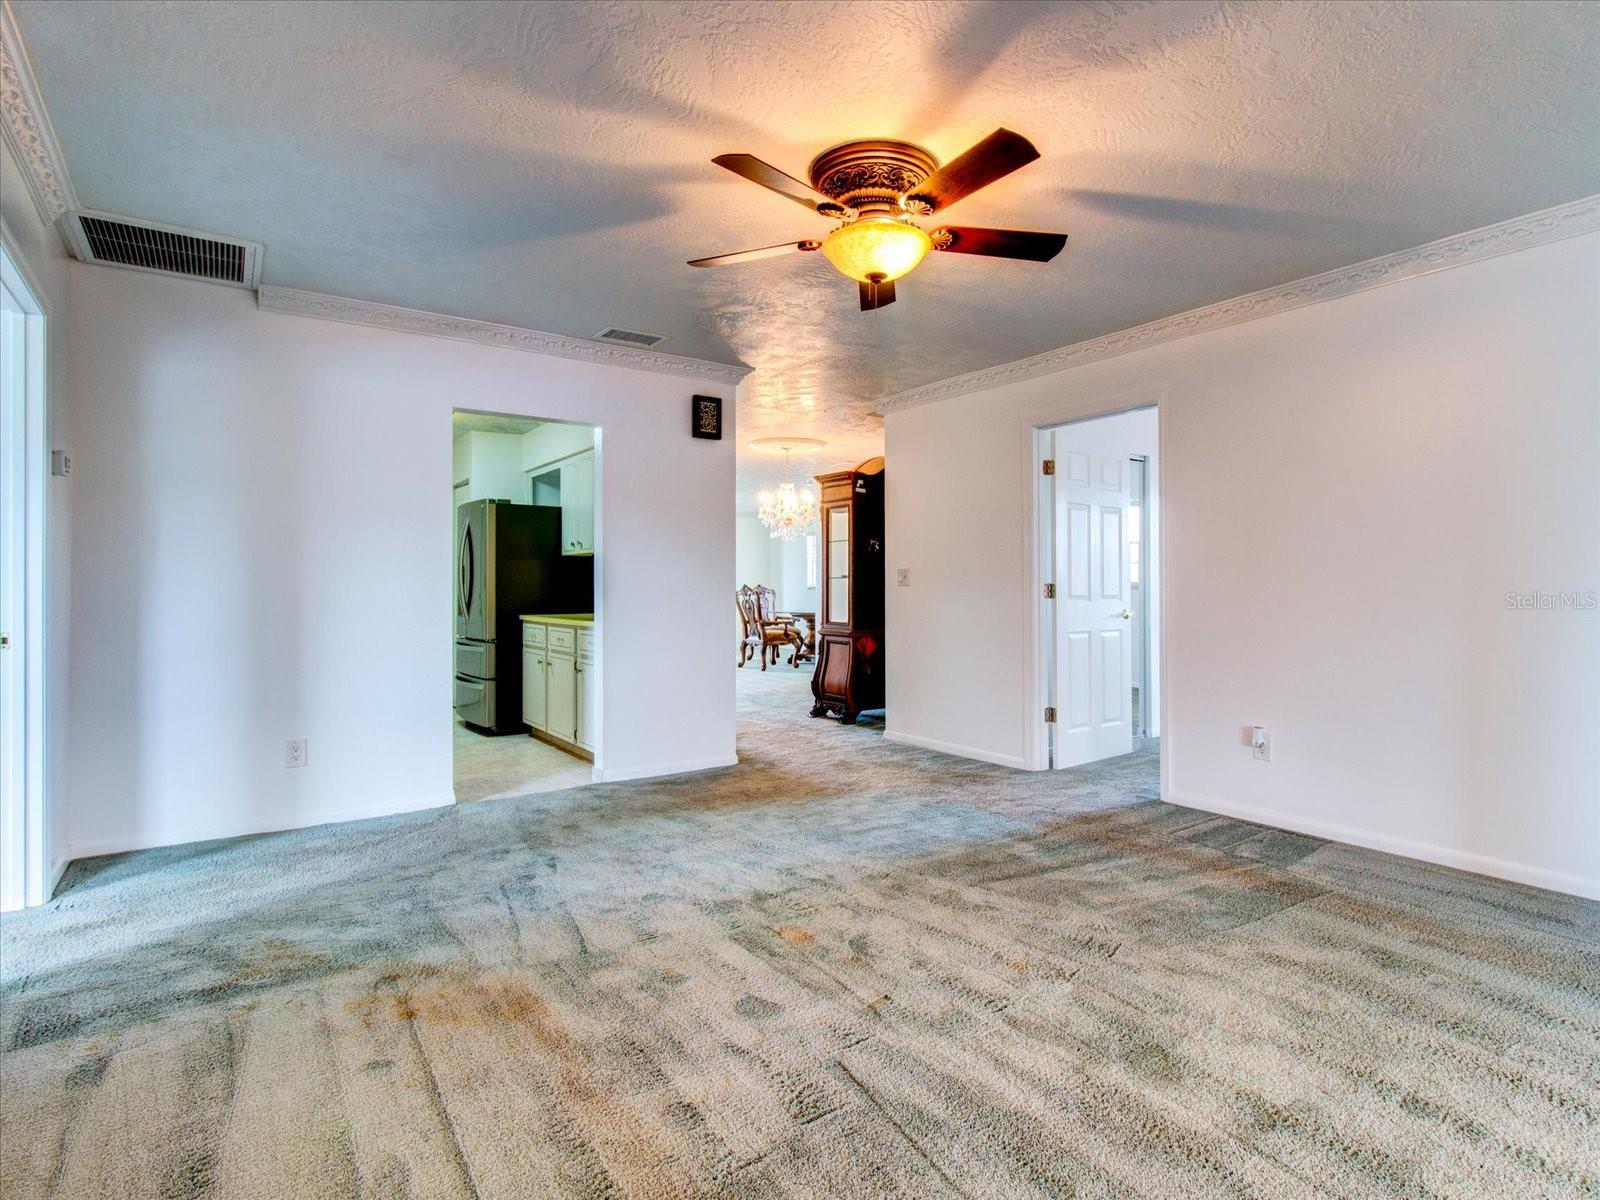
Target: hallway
x,y
843,967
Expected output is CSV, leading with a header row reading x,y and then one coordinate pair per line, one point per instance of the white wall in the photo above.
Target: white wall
x,y
1349,490
244,581
781,566
790,565
753,562
754,558
494,466
43,259
553,441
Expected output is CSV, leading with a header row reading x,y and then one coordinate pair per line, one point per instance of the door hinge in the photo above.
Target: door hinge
x,y
1049,466
1049,716
1049,591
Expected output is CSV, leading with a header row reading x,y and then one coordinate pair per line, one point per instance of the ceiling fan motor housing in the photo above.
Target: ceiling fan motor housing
x,y
873,177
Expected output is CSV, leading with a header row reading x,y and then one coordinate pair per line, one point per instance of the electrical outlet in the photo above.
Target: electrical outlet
x,y
1260,744
295,755
902,577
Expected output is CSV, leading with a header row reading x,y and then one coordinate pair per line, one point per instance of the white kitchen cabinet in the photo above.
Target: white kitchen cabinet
x,y
588,701
577,504
533,686
561,697
560,687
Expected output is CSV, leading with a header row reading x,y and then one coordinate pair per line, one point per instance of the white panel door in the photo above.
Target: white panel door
x,y
13,568
1094,643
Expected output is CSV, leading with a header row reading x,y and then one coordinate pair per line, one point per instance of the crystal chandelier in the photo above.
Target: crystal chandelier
x,y
786,512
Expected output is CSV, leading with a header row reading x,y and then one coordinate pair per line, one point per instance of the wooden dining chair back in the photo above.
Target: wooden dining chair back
x,y
765,629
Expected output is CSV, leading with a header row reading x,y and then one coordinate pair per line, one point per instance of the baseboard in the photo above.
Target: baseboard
x,y
988,756
338,816
1444,856
623,774
56,872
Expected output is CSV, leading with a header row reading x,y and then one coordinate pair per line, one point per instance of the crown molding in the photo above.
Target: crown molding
x,y
485,333
27,126
1548,225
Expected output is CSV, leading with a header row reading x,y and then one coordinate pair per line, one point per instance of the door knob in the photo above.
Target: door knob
x,y
1127,614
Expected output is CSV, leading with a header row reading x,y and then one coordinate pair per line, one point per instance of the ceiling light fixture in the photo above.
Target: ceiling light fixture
x,y
875,190
876,249
787,511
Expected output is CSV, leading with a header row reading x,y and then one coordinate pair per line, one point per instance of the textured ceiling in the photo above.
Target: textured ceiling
x,y
463,423
548,165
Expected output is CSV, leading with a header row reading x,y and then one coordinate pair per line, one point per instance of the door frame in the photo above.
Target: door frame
x,y
597,767
1038,559
28,868
1144,640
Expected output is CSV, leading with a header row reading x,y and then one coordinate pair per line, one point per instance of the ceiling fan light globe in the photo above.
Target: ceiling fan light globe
x,y
876,249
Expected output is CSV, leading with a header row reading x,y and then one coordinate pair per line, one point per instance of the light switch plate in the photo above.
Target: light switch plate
x,y
902,577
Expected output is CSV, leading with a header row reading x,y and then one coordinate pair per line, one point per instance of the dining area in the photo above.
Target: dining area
x,y
766,633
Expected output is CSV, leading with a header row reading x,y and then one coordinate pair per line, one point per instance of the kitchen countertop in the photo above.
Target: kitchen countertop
x,y
559,618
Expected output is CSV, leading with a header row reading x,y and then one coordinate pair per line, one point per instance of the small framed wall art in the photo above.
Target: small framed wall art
x,y
705,417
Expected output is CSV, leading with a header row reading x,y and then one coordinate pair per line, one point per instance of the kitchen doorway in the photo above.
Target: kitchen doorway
x,y
526,700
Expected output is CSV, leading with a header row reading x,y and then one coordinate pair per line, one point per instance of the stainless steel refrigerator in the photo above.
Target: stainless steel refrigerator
x,y
508,562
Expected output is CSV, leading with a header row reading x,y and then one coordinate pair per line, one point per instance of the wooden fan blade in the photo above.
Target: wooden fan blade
x,y
722,260
768,176
876,295
999,243
999,154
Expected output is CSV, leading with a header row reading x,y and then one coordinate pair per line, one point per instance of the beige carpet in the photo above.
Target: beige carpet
x,y
842,969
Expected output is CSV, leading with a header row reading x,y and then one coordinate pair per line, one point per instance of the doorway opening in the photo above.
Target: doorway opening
x,y
24,838
527,704
1099,557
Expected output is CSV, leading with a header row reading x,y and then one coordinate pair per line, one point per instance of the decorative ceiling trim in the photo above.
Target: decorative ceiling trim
x,y
486,333
1549,225
27,126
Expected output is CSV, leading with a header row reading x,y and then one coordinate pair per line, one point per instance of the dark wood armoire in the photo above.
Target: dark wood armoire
x,y
849,674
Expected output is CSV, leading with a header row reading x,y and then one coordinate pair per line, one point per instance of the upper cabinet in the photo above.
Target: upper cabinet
x,y
577,504
568,484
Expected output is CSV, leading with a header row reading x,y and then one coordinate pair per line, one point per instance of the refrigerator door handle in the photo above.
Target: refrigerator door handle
x,y
464,571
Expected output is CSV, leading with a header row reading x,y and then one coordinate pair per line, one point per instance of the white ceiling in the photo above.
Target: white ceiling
x,y
549,165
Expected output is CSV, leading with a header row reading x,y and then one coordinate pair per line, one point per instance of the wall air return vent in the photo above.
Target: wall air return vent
x,y
627,337
115,241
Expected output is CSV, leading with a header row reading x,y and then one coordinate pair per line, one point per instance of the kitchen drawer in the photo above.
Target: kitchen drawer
x,y
475,659
532,635
475,702
563,637
586,642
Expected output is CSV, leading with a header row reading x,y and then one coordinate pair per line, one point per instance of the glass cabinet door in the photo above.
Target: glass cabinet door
x,y
838,531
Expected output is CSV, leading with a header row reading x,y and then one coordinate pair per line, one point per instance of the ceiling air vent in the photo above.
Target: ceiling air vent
x,y
98,237
627,337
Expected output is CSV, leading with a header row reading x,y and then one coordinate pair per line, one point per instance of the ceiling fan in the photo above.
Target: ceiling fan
x,y
875,190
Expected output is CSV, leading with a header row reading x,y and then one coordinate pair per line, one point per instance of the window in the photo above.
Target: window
x,y
811,560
